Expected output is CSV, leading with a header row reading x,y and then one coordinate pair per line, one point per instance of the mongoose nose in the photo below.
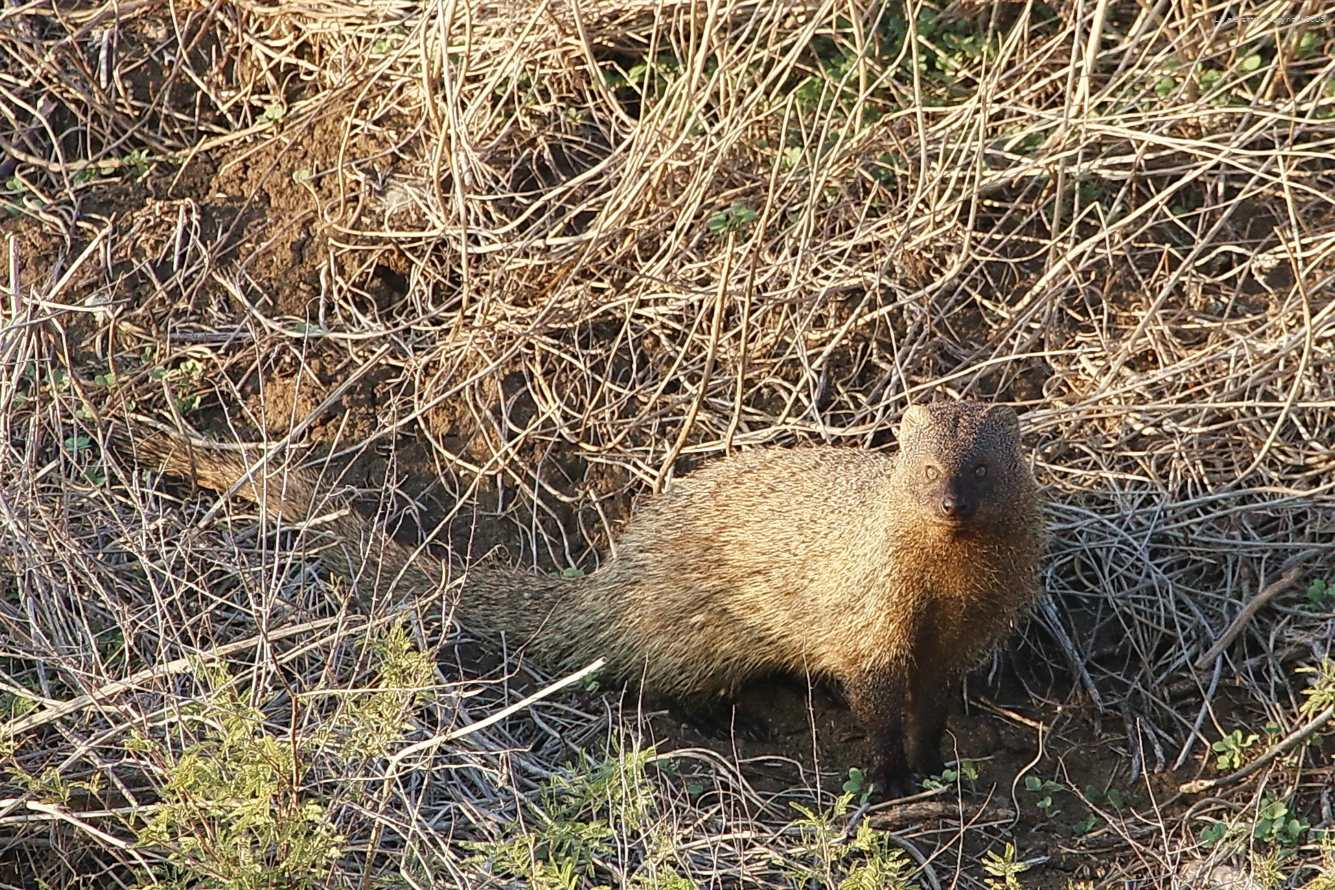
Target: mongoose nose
x,y
956,508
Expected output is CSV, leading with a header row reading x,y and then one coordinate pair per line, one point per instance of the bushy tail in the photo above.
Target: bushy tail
x,y
493,598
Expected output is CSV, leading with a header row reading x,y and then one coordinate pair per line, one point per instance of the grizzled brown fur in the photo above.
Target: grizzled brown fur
x,y
890,575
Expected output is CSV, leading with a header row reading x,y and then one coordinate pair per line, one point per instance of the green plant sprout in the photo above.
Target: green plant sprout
x,y
1232,749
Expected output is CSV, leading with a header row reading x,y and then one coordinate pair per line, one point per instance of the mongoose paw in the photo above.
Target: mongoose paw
x,y
930,764
896,784
751,727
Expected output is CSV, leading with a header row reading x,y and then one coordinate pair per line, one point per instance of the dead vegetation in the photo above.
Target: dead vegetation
x,y
496,270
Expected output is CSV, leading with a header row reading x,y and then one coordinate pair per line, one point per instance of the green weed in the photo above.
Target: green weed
x,y
232,812
580,817
1045,789
736,218
859,786
1278,825
1214,831
1112,798
967,770
1003,869
1321,594
1085,825
646,79
374,720
185,382
16,197
1232,749
1267,869
1321,693
1275,824
80,449
868,862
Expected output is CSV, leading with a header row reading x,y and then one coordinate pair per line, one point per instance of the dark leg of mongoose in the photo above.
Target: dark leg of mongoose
x,y
930,695
877,699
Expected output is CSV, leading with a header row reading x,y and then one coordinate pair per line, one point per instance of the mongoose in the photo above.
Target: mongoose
x,y
890,575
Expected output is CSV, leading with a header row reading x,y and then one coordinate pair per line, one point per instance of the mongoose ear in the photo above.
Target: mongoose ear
x,y
915,417
1005,416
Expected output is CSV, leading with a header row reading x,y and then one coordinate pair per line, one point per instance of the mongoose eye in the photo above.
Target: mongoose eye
x,y
980,471
933,473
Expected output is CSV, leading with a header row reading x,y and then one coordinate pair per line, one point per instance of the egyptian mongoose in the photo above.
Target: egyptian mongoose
x,y
890,575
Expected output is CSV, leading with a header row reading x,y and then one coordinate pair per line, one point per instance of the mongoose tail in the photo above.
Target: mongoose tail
x,y
358,549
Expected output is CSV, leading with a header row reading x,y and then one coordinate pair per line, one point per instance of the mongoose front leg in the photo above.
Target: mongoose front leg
x,y
929,704
877,699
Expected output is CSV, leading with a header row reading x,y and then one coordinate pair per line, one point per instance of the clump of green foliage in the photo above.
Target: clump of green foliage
x,y
868,861
735,219
374,719
966,770
1004,869
1275,825
579,818
1112,798
1046,789
232,812
1232,749
1321,693
1320,594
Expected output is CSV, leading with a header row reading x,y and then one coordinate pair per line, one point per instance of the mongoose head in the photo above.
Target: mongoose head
x,y
961,462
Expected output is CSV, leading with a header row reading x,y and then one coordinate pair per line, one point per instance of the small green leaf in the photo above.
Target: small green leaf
x,y
637,73
1213,833
1251,63
1308,44
733,219
856,781
75,444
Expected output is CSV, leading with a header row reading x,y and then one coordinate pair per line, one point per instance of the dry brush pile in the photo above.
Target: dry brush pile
x,y
495,269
